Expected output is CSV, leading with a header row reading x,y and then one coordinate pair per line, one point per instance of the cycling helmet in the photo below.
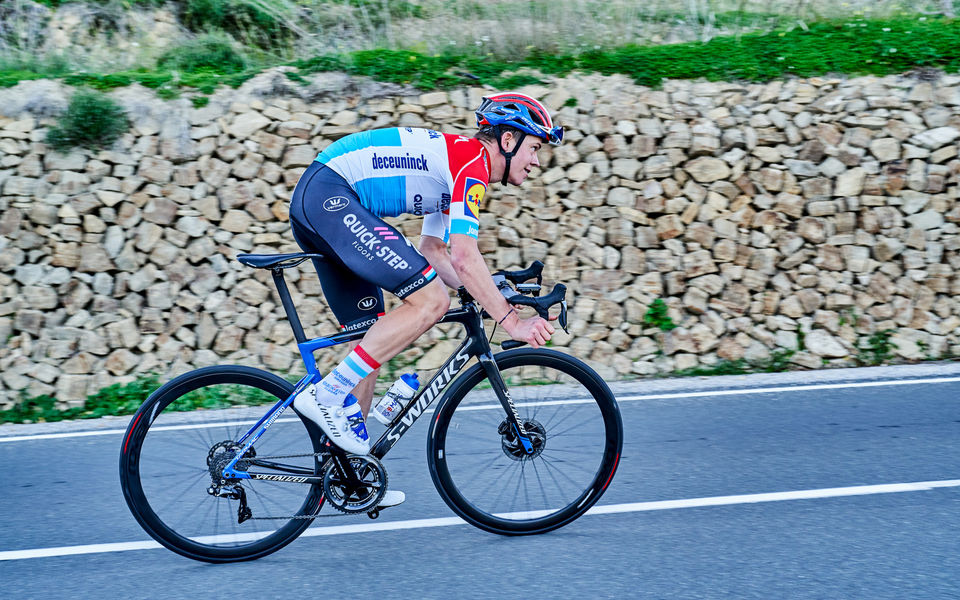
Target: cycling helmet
x,y
520,112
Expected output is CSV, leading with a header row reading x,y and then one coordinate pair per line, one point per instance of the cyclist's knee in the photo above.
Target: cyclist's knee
x,y
432,300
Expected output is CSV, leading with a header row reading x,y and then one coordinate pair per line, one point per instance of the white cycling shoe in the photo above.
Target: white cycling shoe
x,y
343,425
392,498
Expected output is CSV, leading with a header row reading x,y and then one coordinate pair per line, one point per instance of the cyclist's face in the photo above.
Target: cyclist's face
x,y
525,159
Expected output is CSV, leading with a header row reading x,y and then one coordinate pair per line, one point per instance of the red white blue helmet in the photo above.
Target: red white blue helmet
x,y
519,111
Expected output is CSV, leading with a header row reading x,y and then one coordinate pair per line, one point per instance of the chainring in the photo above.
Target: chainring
x,y
363,498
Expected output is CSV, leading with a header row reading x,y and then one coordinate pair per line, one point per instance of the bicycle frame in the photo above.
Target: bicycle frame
x,y
474,345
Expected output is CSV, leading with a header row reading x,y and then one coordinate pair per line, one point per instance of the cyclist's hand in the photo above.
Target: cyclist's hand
x,y
519,307
534,331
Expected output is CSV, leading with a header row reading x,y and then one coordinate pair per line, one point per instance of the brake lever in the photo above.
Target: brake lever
x,y
562,319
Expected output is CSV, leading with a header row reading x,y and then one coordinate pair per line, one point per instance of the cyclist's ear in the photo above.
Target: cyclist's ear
x,y
506,139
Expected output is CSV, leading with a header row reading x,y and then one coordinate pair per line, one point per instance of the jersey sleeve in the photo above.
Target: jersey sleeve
x,y
436,225
469,186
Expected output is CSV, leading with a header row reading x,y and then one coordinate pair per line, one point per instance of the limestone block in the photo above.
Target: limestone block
x,y
236,221
885,149
698,263
850,183
252,292
123,334
161,211
729,349
73,388
39,297
658,167
249,166
213,171
707,169
228,339
246,124
93,259
669,227
298,156
812,229
155,170
929,219
121,362
936,138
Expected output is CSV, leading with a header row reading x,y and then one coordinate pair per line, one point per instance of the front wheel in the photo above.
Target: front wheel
x,y
175,449
486,476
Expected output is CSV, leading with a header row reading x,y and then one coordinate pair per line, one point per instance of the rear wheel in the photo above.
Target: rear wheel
x,y
180,440
486,476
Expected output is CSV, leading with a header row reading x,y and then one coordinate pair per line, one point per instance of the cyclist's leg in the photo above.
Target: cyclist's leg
x,y
401,326
356,303
327,215
369,250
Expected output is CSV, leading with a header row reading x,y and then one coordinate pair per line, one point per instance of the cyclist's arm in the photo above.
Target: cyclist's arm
x,y
435,251
473,272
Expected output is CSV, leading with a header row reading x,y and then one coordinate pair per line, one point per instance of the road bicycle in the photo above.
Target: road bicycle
x,y
522,442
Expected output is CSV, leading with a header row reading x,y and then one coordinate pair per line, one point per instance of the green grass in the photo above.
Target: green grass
x,y
223,396
777,362
878,47
125,399
118,399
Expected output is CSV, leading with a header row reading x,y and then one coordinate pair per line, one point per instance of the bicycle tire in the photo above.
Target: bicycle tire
x,y
579,388
146,492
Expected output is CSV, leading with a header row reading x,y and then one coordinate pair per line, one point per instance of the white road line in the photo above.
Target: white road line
x,y
620,399
860,490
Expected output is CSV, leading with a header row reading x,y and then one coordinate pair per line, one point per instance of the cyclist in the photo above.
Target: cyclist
x,y
337,210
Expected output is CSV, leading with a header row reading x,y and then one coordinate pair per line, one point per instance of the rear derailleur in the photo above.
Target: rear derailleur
x,y
233,492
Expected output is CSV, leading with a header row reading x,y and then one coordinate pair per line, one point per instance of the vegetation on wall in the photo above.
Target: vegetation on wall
x,y
846,47
92,120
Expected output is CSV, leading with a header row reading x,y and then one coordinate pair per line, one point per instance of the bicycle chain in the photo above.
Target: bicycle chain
x,y
298,517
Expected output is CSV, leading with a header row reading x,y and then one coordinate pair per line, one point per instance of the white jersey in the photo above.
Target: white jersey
x,y
416,171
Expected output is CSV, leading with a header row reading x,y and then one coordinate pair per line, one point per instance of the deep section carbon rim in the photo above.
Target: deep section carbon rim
x,y
486,476
182,437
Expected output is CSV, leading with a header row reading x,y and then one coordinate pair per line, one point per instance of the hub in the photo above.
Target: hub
x,y
220,456
513,447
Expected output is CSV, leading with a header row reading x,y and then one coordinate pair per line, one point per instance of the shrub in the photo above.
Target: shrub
x,y
210,52
876,349
261,23
92,120
657,315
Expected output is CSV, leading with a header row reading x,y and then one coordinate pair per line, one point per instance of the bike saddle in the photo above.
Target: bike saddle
x,y
276,261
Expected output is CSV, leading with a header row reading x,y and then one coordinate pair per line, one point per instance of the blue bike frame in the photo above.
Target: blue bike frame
x,y
475,344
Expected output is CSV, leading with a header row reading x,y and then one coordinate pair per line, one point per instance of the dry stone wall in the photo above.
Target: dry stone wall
x,y
801,213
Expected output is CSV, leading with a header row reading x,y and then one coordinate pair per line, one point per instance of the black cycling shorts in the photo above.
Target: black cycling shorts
x,y
363,254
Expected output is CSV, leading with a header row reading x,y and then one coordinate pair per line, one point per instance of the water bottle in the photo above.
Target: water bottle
x,y
396,398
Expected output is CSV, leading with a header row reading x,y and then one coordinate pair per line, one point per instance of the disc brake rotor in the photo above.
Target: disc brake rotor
x,y
513,447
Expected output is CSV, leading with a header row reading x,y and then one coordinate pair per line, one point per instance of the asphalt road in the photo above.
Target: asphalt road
x,y
785,487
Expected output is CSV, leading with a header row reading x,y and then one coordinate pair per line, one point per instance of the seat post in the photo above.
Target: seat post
x,y
288,307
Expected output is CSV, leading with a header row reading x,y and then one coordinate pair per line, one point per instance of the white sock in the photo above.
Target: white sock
x,y
333,389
